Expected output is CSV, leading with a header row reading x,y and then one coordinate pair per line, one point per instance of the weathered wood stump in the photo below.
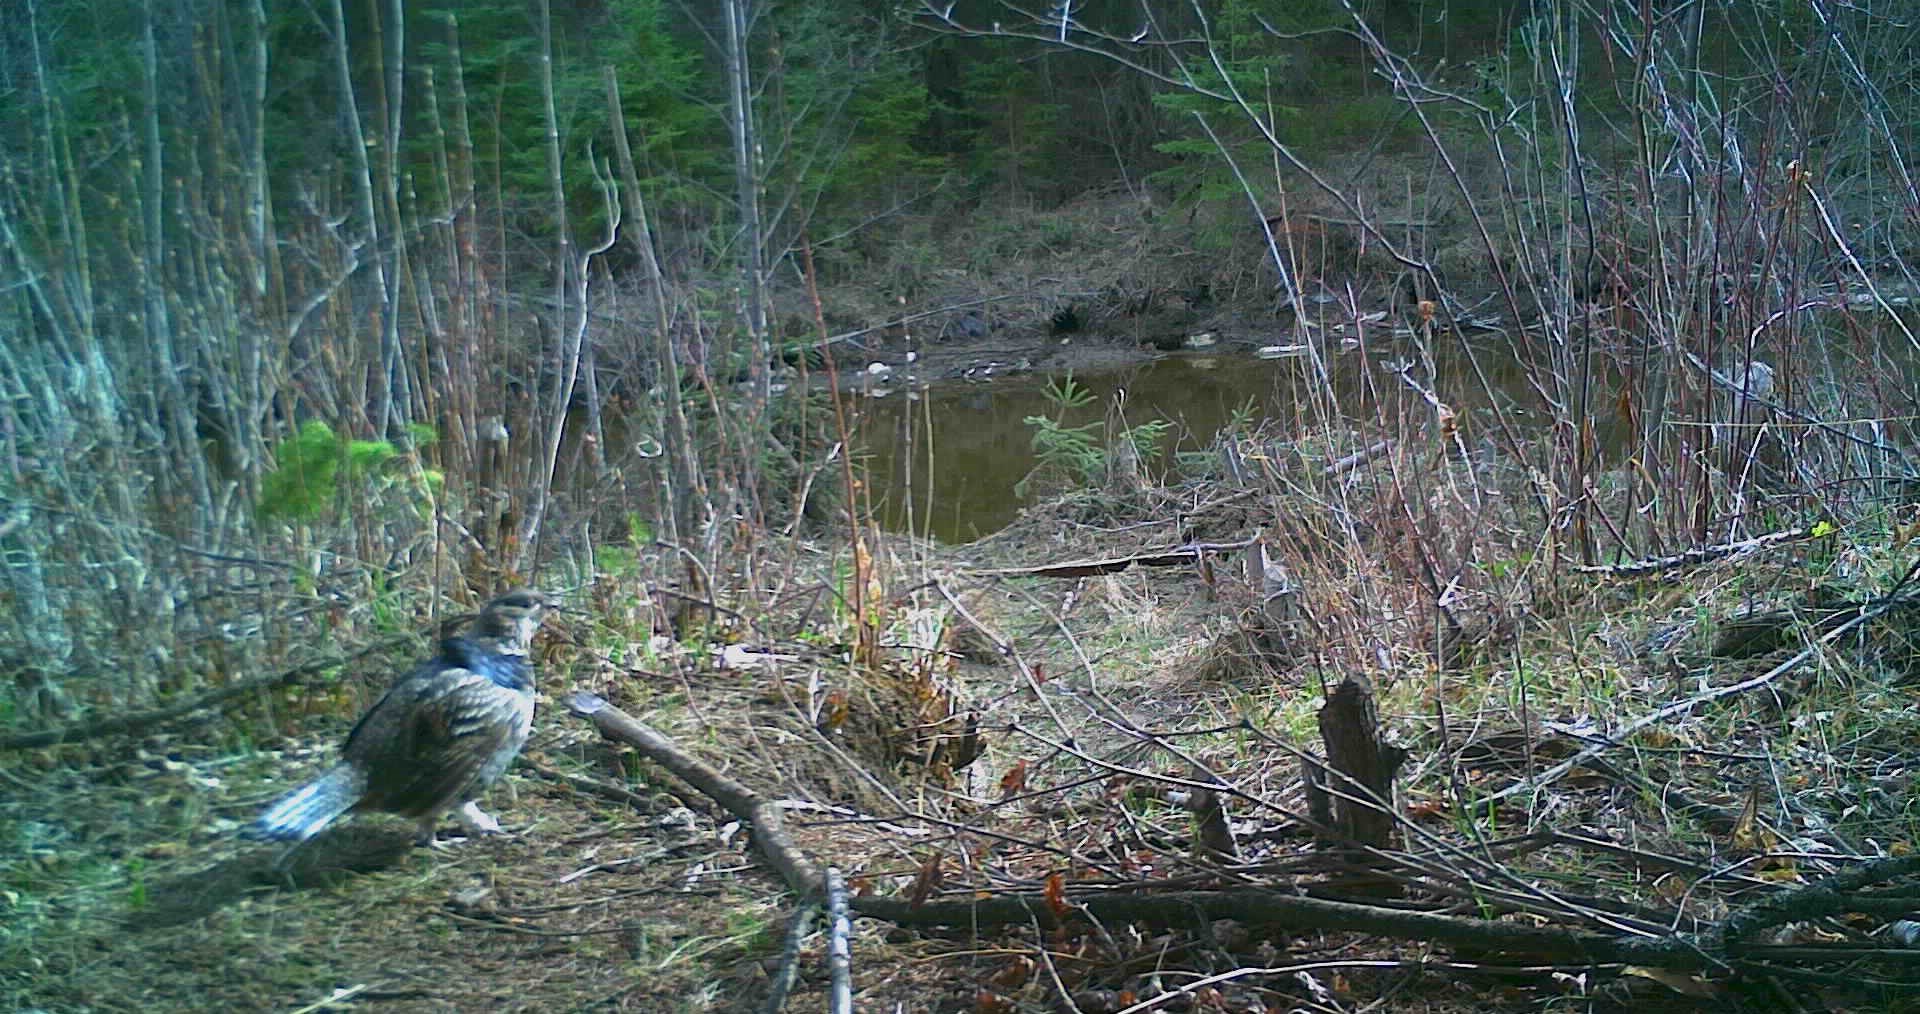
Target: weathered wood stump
x,y
1358,808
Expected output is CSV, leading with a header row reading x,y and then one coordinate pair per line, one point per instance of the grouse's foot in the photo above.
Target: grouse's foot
x,y
476,820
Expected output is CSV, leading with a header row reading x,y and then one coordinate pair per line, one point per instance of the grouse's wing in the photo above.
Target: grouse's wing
x,y
433,735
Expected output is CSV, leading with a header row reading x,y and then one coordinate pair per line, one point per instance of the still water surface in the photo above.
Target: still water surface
x,y
948,460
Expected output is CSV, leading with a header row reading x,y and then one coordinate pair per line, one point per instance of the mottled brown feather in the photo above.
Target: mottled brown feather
x,y
438,737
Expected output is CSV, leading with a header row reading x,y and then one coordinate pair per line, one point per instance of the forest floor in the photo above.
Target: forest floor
x,y
618,888
131,890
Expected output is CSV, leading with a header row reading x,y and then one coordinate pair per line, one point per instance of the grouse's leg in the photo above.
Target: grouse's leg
x,y
423,830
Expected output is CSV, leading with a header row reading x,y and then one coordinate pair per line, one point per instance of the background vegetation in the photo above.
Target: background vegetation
x,y
418,225
310,313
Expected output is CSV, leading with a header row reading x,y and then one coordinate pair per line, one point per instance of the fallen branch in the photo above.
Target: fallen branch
x,y
1832,895
1287,909
1181,556
839,945
788,971
1702,554
84,730
1292,911
769,835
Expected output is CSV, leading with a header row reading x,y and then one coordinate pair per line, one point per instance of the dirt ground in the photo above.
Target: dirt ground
x,y
617,888
138,894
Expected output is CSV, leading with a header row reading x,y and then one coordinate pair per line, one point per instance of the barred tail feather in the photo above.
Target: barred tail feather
x,y
303,812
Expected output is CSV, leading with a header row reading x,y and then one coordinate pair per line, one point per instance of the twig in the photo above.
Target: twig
x,y
1060,989
340,995
1177,557
593,785
1188,989
1356,459
789,968
839,944
500,926
1006,650
694,600
1682,707
1702,554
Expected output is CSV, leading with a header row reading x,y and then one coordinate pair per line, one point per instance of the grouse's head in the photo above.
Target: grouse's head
x,y
511,619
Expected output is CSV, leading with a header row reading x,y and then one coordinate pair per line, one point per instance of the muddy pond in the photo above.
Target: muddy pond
x,y
948,459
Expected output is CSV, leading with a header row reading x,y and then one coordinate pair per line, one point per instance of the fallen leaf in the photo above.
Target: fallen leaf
x,y
928,881
988,1002
1679,982
1014,781
1015,975
1056,894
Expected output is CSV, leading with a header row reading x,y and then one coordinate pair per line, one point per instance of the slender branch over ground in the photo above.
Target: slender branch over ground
x,y
839,945
1294,912
1256,905
799,927
1674,709
145,720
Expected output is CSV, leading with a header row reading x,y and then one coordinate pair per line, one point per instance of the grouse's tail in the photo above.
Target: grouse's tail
x,y
302,813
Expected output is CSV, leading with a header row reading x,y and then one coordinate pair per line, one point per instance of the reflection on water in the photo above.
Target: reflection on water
x,y
947,460
962,448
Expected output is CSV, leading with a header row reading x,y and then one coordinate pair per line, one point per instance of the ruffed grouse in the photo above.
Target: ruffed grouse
x,y
437,739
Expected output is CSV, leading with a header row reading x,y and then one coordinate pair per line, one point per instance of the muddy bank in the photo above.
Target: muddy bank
x,y
1104,341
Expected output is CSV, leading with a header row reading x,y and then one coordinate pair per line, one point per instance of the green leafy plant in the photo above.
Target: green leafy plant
x,y
315,468
1072,450
1065,394
1081,454
1243,417
1147,438
1062,450
616,562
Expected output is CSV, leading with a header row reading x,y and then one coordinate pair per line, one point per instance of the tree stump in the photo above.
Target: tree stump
x,y
1361,802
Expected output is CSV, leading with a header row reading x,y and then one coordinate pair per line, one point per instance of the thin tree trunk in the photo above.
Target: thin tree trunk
x,y
175,412
683,487
746,175
392,100
250,423
451,410
566,339
468,271
752,243
382,393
